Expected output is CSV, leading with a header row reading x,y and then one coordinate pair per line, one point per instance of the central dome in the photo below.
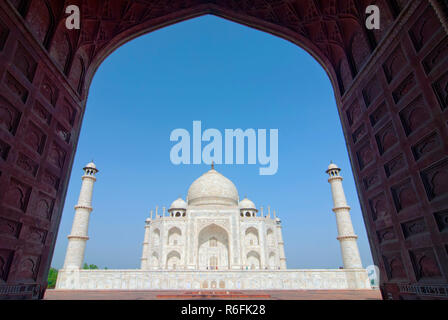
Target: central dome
x,y
212,188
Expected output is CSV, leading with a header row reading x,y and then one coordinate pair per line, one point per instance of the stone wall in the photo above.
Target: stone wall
x,y
239,280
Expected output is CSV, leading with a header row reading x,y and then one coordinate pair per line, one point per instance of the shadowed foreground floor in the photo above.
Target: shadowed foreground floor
x,y
216,294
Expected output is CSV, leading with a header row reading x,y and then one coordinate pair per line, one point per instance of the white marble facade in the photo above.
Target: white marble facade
x,y
211,241
213,230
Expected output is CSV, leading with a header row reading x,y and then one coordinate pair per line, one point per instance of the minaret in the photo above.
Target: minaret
x,y
78,237
281,244
346,234
144,260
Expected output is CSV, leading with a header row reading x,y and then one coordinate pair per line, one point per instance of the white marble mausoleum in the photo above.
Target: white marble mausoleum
x,y
213,240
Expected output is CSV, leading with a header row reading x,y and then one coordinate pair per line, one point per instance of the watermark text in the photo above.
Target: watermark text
x,y
234,147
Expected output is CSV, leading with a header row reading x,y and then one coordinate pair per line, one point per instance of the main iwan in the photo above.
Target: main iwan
x,y
212,241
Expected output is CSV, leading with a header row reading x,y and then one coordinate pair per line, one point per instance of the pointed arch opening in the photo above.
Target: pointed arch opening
x,y
213,248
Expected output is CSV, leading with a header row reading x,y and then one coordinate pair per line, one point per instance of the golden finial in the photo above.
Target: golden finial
x,y
213,165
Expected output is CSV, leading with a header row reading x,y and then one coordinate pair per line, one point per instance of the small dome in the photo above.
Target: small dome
x,y
90,165
212,188
178,204
247,204
332,166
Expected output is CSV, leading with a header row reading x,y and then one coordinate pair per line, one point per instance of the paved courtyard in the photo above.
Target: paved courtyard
x,y
204,294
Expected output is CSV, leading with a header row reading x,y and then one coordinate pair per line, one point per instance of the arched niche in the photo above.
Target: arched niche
x,y
213,246
253,260
173,260
251,237
174,236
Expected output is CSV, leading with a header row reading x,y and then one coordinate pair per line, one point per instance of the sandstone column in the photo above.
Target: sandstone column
x,y
78,237
346,234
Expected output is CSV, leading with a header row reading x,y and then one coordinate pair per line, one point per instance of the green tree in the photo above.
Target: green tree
x,y
52,276
90,266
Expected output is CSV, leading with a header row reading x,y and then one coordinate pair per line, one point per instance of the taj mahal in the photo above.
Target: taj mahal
x,y
212,240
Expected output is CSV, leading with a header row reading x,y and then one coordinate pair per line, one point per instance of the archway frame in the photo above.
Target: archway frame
x,y
48,96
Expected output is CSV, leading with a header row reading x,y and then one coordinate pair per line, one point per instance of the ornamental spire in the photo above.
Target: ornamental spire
x,y
213,165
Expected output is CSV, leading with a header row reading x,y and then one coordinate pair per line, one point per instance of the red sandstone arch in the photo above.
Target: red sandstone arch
x,y
382,79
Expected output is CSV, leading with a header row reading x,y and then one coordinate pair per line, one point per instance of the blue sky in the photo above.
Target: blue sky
x,y
228,76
